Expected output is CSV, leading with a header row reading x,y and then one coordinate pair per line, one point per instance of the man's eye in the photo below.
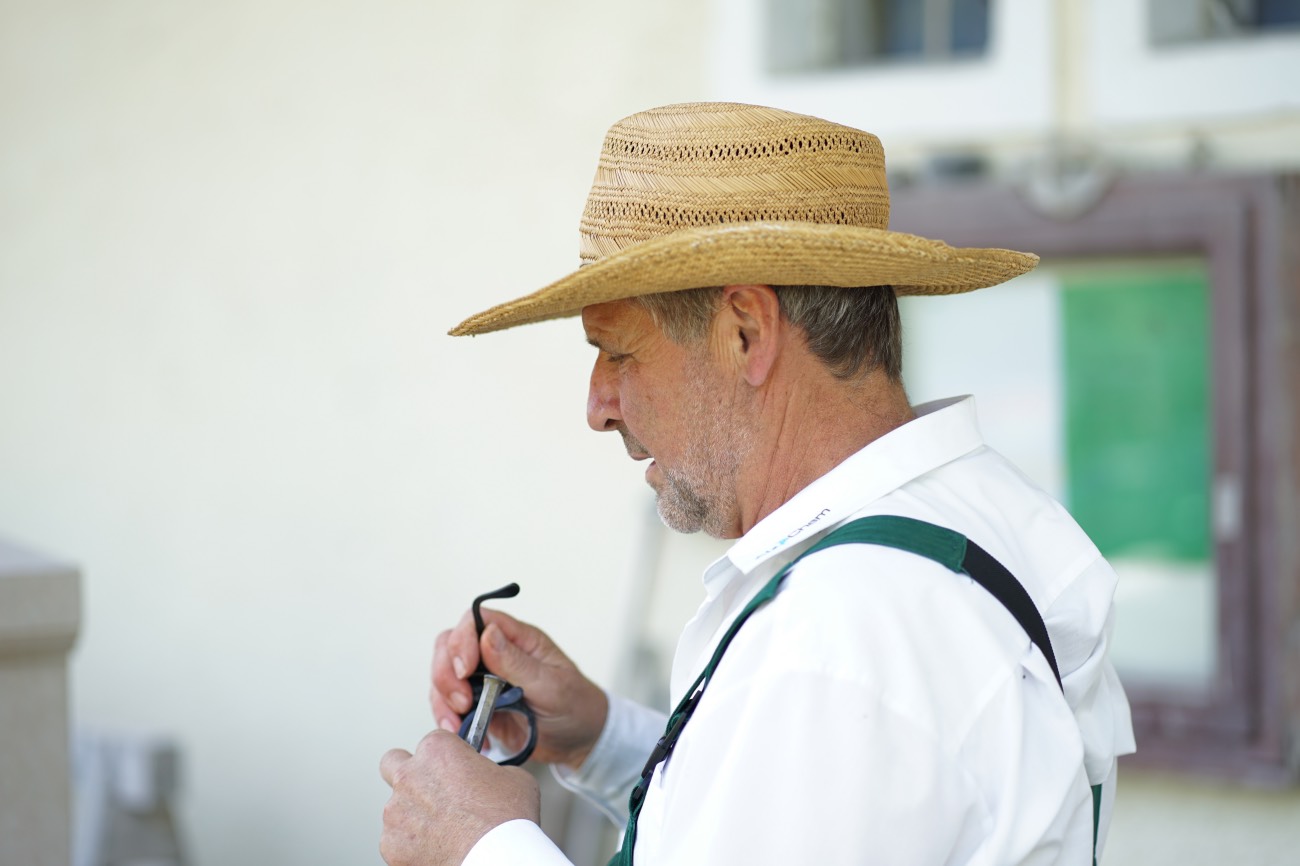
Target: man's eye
x,y
616,357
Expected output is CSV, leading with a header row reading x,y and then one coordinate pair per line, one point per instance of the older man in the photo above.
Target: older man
x,y
869,677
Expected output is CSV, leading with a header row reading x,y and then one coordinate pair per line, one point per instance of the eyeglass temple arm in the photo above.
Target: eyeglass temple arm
x,y
507,591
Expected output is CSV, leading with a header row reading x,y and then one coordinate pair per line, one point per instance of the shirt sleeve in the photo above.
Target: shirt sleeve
x,y
614,766
1081,621
514,843
606,778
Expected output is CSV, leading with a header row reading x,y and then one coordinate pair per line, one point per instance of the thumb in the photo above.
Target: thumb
x,y
507,660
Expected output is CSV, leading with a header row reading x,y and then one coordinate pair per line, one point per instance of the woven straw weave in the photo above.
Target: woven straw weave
x,y
708,194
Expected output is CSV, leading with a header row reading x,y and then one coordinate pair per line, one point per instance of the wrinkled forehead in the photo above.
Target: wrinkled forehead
x,y
616,320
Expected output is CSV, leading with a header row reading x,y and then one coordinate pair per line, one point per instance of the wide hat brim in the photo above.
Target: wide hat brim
x,y
766,253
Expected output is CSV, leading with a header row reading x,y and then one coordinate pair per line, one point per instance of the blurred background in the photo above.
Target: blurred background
x,y
259,478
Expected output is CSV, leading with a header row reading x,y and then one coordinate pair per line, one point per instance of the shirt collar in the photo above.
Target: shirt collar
x,y
942,431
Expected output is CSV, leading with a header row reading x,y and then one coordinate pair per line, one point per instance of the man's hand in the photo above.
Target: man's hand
x,y
570,708
445,798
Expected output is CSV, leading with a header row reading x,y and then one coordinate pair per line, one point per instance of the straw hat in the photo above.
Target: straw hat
x,y
711,194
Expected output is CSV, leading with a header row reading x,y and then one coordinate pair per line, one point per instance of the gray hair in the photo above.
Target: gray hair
x,y
853,331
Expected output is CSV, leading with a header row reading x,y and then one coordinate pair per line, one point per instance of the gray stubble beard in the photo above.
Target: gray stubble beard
x,y
701,493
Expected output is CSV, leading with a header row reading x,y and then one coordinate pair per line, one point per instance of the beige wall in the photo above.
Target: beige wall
x,y
1170,820
232,237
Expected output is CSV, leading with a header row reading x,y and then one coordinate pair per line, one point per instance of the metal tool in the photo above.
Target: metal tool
x,y
487,701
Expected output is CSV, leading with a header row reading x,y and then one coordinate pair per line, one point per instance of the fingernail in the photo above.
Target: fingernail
x,y
449,725
458,665
496,639
460,702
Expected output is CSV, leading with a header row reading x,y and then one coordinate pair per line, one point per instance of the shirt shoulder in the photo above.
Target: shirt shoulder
x,y
929,642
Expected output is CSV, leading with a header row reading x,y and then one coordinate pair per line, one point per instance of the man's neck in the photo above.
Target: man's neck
x,y
810,427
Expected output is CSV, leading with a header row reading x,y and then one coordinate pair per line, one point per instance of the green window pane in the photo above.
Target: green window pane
x,y
1136,347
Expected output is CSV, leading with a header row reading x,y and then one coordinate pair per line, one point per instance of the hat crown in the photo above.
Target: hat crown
x,y
698,164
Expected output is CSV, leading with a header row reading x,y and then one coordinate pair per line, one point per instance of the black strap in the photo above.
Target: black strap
x,y
944,546
993,576
956,553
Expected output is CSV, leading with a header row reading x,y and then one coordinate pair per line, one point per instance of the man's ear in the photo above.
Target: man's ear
x,y
751,330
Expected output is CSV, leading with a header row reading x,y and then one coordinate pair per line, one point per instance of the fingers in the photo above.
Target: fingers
x,y
506,659
446,718
445,798
389,764
569,709
529,639
455,656
435,742
462,646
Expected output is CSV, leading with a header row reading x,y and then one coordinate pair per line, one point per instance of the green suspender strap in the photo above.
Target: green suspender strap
x,y
950,549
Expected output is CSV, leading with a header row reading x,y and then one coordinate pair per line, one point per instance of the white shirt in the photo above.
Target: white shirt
x,y
881,709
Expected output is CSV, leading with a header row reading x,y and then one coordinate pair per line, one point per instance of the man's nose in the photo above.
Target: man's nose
x,y
602,400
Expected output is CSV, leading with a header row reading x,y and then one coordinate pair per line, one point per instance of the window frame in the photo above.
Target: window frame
x,y
1247,725
884,98
1134,82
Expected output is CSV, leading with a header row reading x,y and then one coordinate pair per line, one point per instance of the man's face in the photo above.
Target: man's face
x,y
674,404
